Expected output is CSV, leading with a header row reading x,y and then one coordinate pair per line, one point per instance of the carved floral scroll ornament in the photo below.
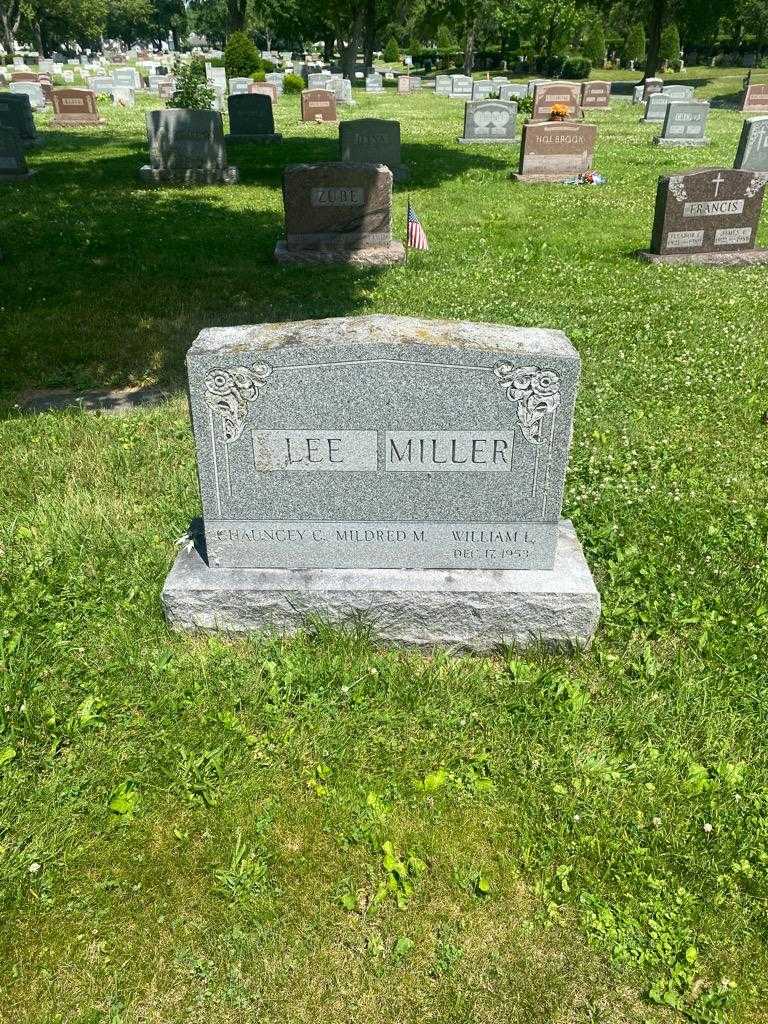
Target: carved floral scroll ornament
x,y
536,392
230,392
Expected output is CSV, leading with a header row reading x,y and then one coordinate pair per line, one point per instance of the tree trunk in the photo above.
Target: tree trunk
x,y
370,35
237,9
38,30
469,45
9,23
328,50
658,15
350,47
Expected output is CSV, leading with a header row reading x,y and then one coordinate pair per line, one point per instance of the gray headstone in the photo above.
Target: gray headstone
x,y
251,119
483,89
127,77
276,78
656,107
512,91
372,140
461,86
448,443
319,81
122,96
713,210
442,85
32,90
489,121
13,164
678,92
239,86
752,153
186,147
374,83
16,113
684,124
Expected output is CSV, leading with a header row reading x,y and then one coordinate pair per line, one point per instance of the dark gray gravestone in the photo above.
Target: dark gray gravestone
x,y
338,213
483,89
684,125
556,150
489,121
512,91
372,140
186,147
656,107
13,165
16,113
251,119
708,216
678,92
752,153
410,467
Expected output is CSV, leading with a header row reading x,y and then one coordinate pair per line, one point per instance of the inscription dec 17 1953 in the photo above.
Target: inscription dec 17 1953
x,y
382,442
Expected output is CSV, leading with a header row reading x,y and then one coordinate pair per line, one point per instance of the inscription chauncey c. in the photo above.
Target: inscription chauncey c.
x,y
444,446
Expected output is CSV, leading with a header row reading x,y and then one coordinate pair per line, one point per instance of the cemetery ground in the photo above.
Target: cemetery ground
x,y
203,829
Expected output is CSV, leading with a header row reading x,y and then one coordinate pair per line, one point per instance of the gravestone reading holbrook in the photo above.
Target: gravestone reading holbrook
x,y
338,213
186,147
752,153
489,121
372,140
251,119
708,216
684,125
412,469
556,150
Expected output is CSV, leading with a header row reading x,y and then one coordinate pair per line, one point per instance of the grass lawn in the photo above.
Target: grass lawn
x,y
199,830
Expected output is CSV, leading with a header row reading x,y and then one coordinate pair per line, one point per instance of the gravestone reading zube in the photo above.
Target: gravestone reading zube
x,y
186,147
251,119
684,125
556,150
410,469
372,140
489,121
16,113
752,153
338,213
708,216
13,164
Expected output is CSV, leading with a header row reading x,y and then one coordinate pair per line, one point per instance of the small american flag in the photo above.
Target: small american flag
x,y
417,238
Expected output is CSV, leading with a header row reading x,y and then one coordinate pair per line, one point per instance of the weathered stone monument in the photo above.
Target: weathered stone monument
x,y
655,108
684,125
374,83
239,85
483,89
407,471
595,95
251,119
263,89
489,121
755,99
708,216
372,140
16,113
318,105
403,85
186,147
512,91
32,90
442,85
752,153
461,87
75,107
13,163
677,93
556,150
338,213
546,95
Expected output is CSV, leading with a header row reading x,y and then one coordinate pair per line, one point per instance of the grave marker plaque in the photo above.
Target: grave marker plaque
x,y
512,91
755,99
595,95
461,87
556,150
483,89
656,108
489,121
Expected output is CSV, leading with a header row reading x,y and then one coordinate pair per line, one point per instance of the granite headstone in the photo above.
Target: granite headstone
x,y
32,90
13,164
489,121
685,123
545,96
656,108
318,105
752,153
556,150
372,140
595,95
186,147
75,107
755,98
16,113
251,119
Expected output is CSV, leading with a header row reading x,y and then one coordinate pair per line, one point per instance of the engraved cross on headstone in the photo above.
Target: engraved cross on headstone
x,y
717,182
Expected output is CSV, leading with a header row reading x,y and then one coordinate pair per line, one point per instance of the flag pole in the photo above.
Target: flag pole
x,y
407,222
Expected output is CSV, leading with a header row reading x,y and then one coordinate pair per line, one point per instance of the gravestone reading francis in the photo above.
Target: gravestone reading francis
x,y
410,469
556,150
752,153
595,95
318,105
16,113
489,121
75,107
708,216
372,140
546,95
251,119
338,213
755,98
186,147
684,125
13,164
655,108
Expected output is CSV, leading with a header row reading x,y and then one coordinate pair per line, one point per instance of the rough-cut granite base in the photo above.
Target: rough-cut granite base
x,y
197,176
77,123
745,258
272,137
485,142
375,256
552,179
467,609
681,143
17,177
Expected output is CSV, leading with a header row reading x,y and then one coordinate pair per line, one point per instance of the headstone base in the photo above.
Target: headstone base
x,y
198,176
485,142
374,256
464,609
551,178
679,143
273,137
16,177
72,122
744,258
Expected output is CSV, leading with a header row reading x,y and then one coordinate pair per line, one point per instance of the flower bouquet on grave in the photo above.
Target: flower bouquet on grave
x,y
588,178
559,112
